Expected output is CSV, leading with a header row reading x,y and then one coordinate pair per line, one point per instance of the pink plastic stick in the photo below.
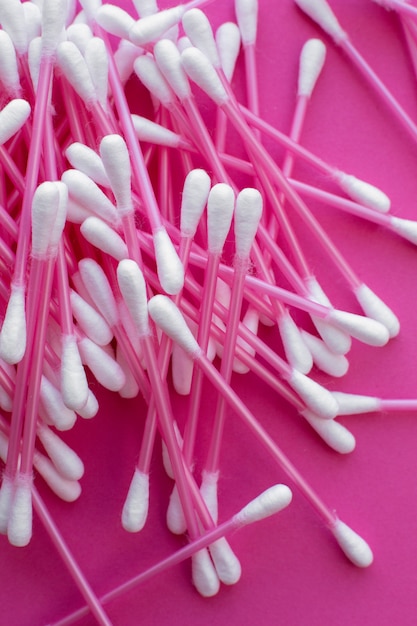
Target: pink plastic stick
x,y
376,83
94,604
203,541
264,161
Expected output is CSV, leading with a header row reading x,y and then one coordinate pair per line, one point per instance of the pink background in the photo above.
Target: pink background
x,y
293,572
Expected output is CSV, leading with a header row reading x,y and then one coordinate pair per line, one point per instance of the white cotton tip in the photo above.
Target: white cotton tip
x,y
364,193
13,331
170,320
327,361
268,503
98,65
405,228
66,490
202,72
99,290
133,289
152,27
228,46
90,408
322,14
136,506
124,58
376,309
183,43
208,490
116,161
149,74
74,385
103,237
9,73
149,131
355,404
225,561
90,8
364,329
80,34
317,398
33,19
168,59
334,434
355,548
220,207
204,575
19,528
194,198
248,212
54,13
115,20
44,213
65,459
198,29
145,7
296,350
76,213
336,339
90,321
6,499
34,60
312,57
251,322
87,194
182,366
85,159
12,118
57,413
12,20
130,389
168,264
74,67
104,368
247,19
175,519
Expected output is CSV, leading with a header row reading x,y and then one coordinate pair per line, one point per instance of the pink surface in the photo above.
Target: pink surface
x,y
293,572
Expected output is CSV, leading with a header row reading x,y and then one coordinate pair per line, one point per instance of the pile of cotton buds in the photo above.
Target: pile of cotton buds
x,y
140,253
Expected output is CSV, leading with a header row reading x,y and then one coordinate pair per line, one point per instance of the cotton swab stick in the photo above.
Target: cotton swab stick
x,y
322,14
247,215
166,253
271,501
404,8
167,317
200,69
354,404
74,569
331,432
133,288
98,286
48,219
53,16
220,207
135,510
